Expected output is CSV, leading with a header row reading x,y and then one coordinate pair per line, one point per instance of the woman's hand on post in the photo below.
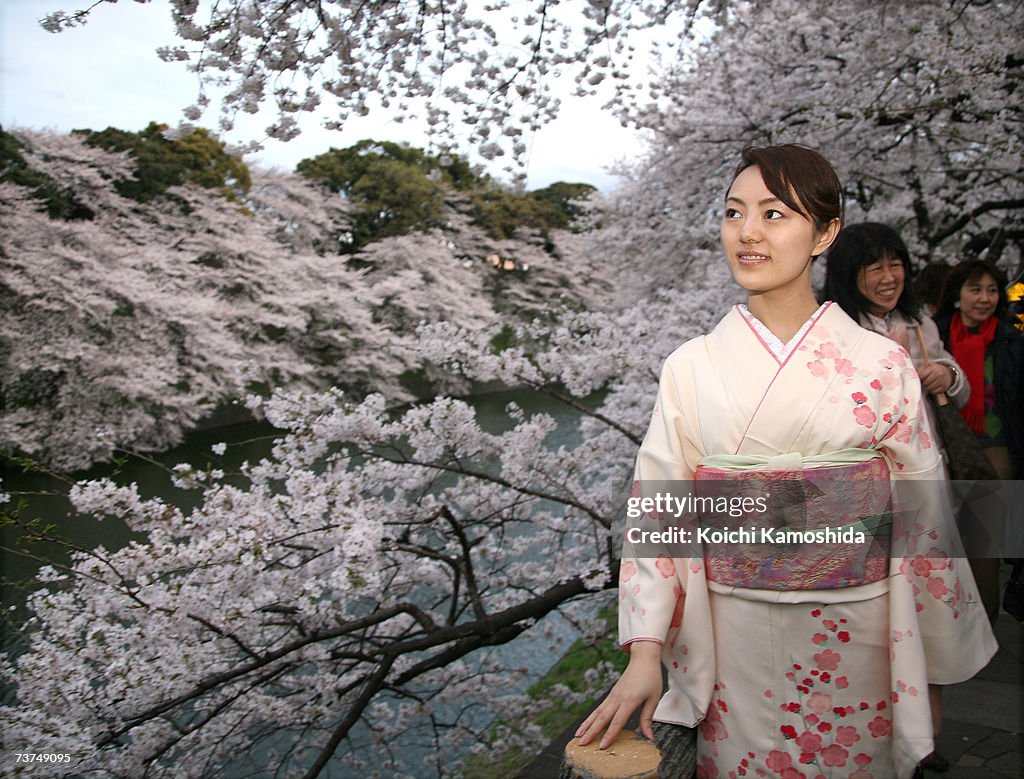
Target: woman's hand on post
x,y
639,685
935,377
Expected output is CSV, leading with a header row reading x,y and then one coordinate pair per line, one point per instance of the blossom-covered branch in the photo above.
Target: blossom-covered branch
x,y
483,73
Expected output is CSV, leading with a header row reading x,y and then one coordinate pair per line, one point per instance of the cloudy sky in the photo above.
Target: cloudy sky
x,y
107,73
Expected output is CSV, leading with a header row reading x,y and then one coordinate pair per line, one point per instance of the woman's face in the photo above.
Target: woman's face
x,y
978,300
882,284
767,244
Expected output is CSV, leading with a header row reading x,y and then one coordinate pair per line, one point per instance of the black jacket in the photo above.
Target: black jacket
x,y
1007,350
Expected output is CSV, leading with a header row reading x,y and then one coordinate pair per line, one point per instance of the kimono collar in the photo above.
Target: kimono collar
x,y
772,341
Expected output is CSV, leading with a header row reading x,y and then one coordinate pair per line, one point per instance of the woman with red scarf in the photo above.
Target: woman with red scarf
x,y
991,354
990,351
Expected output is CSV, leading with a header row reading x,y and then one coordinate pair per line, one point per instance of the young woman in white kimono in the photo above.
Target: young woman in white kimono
x,y
813,669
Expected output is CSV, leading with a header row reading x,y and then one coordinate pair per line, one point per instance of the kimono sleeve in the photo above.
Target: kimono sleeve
x,y
933,596
904,432
650,589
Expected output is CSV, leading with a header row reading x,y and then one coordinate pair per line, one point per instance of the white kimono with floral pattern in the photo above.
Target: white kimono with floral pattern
x,y
802,683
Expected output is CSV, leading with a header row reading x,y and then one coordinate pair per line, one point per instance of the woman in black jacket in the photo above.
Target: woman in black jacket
x,y
990,351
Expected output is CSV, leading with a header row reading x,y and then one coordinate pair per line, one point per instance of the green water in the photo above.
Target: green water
x,y
44,494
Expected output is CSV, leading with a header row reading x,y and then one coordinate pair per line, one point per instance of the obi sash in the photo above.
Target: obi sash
x,y
809,523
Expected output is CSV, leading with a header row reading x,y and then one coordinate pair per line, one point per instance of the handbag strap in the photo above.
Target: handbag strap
x,y
940,397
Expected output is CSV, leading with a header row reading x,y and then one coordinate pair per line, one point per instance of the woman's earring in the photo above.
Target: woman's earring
x,y
957,304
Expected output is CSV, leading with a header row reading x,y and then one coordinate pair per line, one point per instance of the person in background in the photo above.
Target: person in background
x,y
991,351
928,284
866,274
970,322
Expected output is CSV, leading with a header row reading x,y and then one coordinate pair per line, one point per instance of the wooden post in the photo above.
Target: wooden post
x,y
628,757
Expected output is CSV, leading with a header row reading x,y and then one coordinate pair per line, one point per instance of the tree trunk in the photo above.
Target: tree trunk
x,y
678,747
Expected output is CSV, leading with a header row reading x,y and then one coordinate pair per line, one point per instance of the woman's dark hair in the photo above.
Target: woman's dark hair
x,y
964,273
800,177
857,246
928,283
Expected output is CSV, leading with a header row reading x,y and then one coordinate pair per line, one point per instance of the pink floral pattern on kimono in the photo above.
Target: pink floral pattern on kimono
x,y
823,718
846,670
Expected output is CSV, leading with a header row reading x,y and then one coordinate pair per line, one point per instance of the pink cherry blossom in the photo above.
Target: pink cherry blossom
x,y
834,755
880,727
864,416
827,660
844,367
828,351
847,735
937,587
808,741
778,761
818,369
665,566
818,702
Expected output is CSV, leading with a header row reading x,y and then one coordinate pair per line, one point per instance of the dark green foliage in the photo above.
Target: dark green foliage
x,y
60,203
393,198
341,169
398,189
562,198
503,339
395,189
500,211
197,158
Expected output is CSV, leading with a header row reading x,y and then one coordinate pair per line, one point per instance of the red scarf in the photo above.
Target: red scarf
x,y
969,351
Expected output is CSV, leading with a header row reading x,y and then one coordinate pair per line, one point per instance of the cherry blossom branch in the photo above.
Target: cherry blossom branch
x,y
570,401
402,459
371,687
217,680
958,224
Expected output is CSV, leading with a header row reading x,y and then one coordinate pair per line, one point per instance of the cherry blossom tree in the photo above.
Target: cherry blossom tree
x,y
344,591
914,103
481,74
125,329
131,326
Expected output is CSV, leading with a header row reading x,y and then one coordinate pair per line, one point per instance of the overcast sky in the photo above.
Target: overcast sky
x,y
107,73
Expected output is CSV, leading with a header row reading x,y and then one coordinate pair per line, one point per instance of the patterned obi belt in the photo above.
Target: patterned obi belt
x,y
816,523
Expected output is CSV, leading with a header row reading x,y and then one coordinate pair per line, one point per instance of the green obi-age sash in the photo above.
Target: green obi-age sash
x,y
792,461
821,522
